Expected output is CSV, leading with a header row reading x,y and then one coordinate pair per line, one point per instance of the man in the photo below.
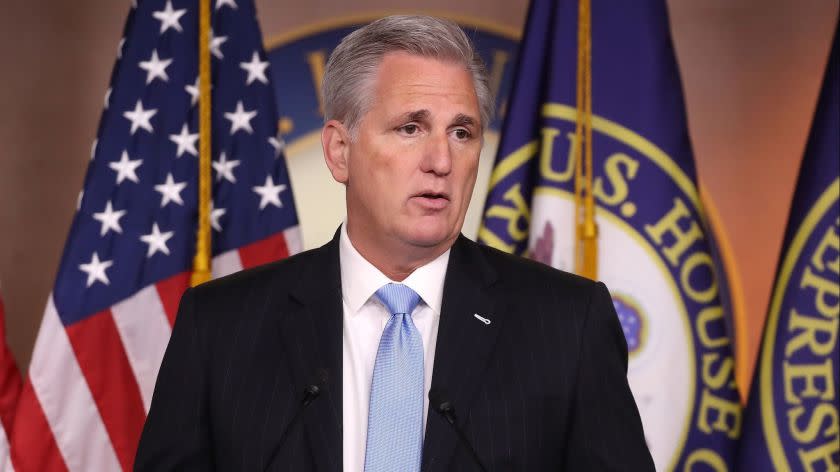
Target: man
x,y
328,360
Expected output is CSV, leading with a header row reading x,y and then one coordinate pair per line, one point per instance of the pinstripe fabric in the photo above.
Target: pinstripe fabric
x,y
542,387
395,417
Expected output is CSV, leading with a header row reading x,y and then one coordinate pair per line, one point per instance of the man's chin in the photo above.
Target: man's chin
x,y
430,238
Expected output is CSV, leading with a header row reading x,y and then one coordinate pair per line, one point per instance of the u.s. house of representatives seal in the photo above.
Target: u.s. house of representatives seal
x,y
654,254
799,400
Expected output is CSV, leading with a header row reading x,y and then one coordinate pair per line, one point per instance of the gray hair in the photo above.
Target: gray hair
x,y
349,71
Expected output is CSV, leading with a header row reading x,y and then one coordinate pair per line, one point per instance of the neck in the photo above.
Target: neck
x,y
396,261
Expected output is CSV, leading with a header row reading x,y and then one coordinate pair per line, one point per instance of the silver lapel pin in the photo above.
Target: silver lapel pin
x,y
482,319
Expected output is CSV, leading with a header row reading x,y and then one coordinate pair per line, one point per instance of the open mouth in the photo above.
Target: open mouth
x,y
432,200
434,196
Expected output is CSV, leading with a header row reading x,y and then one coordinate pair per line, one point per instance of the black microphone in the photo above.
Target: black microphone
x,y
447,411
310,393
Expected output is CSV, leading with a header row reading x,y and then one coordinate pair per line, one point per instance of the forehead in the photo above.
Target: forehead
x,y
407,78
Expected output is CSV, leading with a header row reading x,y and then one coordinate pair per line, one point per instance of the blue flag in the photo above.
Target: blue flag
x,y
129,253
655,253
791,422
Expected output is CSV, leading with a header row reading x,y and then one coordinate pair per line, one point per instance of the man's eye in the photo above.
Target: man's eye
x,y
461,133
410,129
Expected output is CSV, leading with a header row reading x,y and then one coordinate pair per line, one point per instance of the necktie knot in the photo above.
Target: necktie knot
x,y
398,298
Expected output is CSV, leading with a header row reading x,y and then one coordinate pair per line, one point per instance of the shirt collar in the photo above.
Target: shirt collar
x,y
360,279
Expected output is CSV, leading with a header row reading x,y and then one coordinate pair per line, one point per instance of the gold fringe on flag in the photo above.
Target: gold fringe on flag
x,y
202,260
586,230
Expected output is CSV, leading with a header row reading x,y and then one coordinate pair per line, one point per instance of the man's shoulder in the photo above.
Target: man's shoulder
x,y
277,276
520,270
531,289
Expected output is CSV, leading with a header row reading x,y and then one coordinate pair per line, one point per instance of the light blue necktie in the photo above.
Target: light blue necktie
x,y
395,417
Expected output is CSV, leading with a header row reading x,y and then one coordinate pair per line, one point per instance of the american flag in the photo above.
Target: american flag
x,y
9,391
129,253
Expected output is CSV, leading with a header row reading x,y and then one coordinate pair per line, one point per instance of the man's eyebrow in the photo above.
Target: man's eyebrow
x,y
417,115
464,120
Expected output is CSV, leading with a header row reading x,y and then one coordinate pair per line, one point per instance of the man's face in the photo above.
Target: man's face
x,y
412,163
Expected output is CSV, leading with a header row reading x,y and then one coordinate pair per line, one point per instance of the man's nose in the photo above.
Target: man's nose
x,y
437,155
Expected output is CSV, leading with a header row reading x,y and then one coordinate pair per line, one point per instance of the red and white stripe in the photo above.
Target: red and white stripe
x,y
9,391
5,456
90,384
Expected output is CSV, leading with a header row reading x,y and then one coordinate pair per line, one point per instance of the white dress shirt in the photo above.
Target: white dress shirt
x,y
365,318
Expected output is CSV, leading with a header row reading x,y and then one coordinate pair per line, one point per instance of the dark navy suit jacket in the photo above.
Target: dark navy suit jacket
x,y
542,387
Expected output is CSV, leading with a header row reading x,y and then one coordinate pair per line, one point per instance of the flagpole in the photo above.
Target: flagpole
x,y
201,261
586,230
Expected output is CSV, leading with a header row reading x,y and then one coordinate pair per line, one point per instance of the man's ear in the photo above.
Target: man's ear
x,y
335,140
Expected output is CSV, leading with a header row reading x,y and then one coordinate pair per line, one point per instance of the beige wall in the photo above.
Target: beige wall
x,y
751,71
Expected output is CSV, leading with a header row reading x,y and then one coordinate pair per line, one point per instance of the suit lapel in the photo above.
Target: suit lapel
x,y
311,330
464,345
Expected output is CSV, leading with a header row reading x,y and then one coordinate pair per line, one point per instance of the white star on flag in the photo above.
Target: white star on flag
x,y
156,241
126,168
140,117
110,219
216,45
170,191
155,68
279,144
215,214
193,91
224,169
269,193
240,119
230,3
95,270
169,18
185,141
128,255
256,69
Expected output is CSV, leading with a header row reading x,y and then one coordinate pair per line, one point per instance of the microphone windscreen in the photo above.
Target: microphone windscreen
x,y
438,401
